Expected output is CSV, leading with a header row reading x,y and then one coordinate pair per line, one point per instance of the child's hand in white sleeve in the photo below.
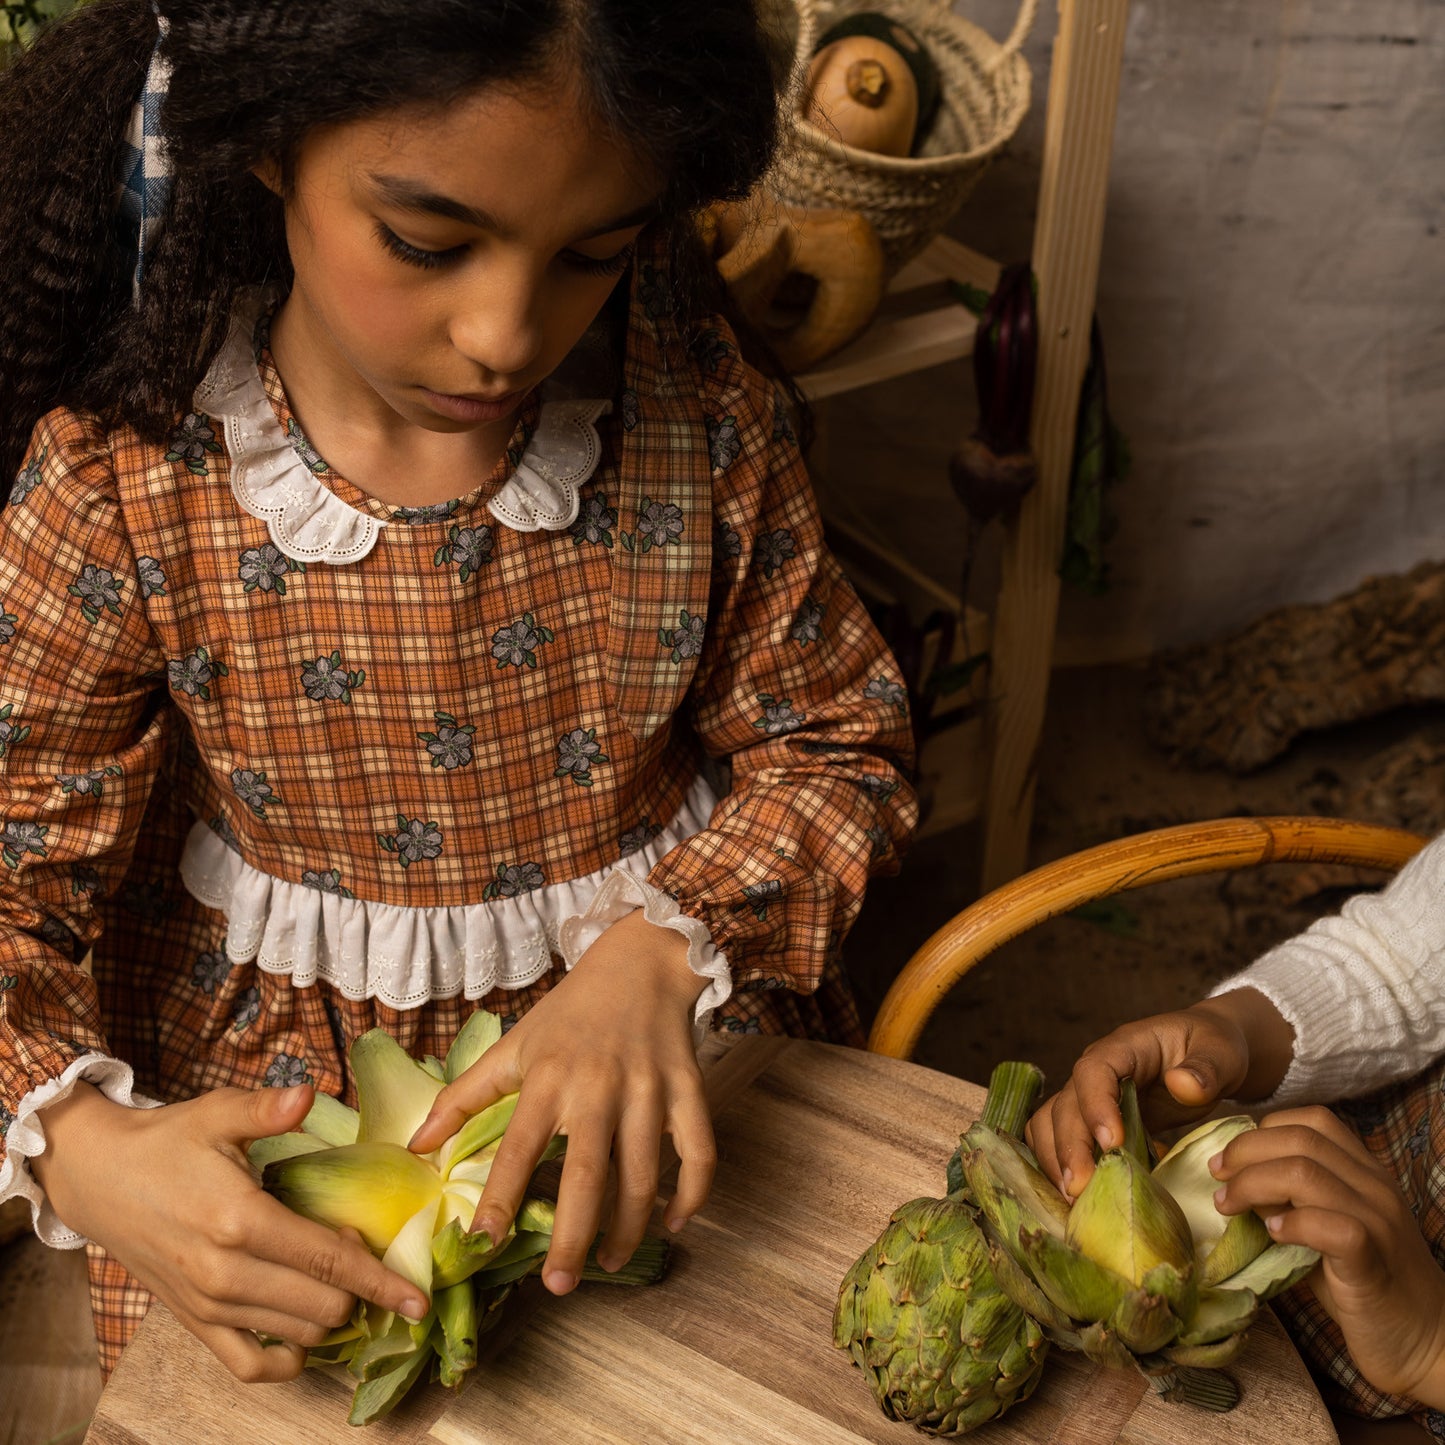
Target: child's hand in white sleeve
x,y
1314,1183
606,1058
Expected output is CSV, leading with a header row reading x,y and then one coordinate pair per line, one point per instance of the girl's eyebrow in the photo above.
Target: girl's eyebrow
x,y
409,196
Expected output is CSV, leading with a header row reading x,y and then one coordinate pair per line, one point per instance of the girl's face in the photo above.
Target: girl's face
x,y
447,260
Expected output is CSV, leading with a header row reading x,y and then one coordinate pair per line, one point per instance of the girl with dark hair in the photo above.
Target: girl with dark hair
x,y
410,601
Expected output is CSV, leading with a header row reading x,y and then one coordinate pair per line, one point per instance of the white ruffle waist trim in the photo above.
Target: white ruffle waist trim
x,y
405,957
25,1138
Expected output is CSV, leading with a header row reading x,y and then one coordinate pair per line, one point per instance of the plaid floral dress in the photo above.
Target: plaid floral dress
x,y
288,763
1404,1128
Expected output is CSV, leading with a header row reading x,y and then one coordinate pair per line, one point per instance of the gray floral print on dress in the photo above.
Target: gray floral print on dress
x,y
725,542
265,569
594,522
304,449
634,840
782,423
209,971
152,577
90,784
516,646
247,1010
724,442
470,548
432,512
631,410
99,591
193,441
28,477
514,879
6,1120
10,732
659,524
328,679
759,895
779,716
878,837
220,825
654,290
8,981
85,878
710,350
879,789
808,624
892,693
773,549
18,839
576,752
60,938
253,790
194,675
450,746
325,881
414,840
285,1070
685,639
7,627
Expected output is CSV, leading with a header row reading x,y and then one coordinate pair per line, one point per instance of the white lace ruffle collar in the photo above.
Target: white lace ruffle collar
x,y
310,523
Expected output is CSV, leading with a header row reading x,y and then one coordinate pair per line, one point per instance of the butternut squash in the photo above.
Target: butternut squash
x,y
862,91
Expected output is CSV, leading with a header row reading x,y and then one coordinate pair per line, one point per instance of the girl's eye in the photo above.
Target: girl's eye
x,y
414,255
601,266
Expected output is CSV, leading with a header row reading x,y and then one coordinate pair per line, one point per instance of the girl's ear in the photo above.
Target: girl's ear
x,y
268,172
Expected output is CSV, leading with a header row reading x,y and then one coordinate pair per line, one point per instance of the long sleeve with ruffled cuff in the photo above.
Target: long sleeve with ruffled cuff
x,y
81,737
796,692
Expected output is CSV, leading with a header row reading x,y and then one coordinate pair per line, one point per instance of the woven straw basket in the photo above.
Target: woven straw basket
x,y
908,199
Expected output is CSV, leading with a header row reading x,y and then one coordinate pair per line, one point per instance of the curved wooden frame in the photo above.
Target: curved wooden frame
x,y
1216,846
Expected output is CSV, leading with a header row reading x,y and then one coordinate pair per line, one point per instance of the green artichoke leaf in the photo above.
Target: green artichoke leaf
x,y
473,1039
394,1092
1079,1286
1136,1137
522,1256
331,1120
394,1339
1280,1266
1018,1285
434,1067
1184,1173
1104,1347
1244,1239
276,1147
479,1131
456,1339
373,1188
1219,1314
409,1253
1129,1224
1009,1189
458,1253
380,1395
1207,1357
1144,1320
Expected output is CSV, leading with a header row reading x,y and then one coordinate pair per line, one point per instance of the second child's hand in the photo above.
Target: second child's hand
x,y
606,1058
195,1228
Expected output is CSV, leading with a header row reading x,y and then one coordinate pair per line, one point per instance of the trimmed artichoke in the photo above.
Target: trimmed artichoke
x,y
943,1348
1143,1271
351,1168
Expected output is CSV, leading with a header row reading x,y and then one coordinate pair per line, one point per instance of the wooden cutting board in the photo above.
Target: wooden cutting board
x,y
817,1145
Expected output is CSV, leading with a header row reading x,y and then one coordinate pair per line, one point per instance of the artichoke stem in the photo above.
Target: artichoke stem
x,y
1208,1389
1013,1088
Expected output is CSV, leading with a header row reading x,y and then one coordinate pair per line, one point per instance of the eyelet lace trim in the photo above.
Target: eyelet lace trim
x,y
309,523
406,956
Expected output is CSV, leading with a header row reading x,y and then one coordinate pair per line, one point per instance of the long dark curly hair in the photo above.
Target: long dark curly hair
x,y
688,85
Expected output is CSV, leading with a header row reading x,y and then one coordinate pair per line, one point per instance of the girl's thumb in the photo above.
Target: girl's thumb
x,y
264,1112
1192,1082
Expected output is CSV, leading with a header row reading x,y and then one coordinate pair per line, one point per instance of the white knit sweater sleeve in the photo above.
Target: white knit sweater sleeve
x,y
1364,989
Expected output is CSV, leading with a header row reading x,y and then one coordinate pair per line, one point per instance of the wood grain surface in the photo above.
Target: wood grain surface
x,y
817,1145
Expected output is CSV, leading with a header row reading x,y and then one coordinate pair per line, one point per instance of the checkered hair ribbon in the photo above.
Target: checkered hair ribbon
x,y
145,171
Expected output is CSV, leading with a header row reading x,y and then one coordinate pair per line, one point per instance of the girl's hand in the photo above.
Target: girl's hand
x,y
168,1193
607,1059
1314,1183
1180,1063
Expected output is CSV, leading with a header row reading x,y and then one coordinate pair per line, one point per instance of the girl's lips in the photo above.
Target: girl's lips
x,y
470,408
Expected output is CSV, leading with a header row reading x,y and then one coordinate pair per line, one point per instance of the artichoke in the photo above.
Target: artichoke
x,y
352,1168
1143,1271
921,1314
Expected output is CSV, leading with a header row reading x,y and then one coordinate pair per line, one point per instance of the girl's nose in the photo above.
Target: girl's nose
x,y
499,322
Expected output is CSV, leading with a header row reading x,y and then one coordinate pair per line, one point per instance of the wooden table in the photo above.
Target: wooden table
x,y
817,1145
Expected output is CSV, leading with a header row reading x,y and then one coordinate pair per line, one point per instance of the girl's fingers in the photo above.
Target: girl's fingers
x,y
246,1357
523,1144
635,1155
1343,1238
1072,1141
1272,1186
586,1167
493,1075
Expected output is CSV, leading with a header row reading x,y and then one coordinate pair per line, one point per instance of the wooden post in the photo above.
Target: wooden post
x,y
1079,132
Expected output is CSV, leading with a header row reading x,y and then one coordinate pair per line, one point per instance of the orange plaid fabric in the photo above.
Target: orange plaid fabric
x,y
1404,1128
159,659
